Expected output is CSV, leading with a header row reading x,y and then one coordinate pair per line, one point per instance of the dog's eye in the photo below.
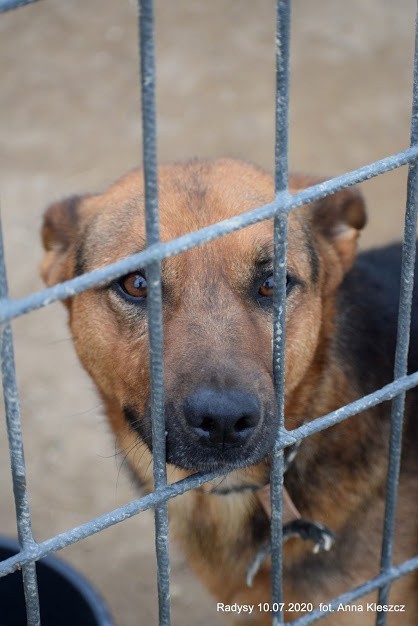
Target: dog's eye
x,y
266,289
134,285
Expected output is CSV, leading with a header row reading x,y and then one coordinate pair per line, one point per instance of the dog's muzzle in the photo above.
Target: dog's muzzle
x,y
212,428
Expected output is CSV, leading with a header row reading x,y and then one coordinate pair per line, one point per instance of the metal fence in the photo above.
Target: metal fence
x,y
151,258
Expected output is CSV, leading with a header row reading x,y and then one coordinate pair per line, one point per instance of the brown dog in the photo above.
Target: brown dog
x,y
220,400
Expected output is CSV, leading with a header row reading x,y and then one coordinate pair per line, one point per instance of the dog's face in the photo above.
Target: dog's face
x,y
217,304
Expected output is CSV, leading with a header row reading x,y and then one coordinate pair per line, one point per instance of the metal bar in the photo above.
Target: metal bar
x,y
151,258
154,302
63,540
10,309
281,149
279,296
402,349
69,537
388,392
277,468
17,459
7,5
346,598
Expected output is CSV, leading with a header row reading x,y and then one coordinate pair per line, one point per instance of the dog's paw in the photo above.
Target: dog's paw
x,y
322,537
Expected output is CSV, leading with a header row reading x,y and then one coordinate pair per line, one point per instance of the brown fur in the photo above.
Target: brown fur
x,y
213,331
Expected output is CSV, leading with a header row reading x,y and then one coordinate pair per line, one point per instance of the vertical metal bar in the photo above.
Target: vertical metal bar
x,y
402,348
17,459
279,299
281,150
155,327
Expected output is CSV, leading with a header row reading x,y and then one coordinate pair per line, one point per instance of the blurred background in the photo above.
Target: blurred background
x,y
70,123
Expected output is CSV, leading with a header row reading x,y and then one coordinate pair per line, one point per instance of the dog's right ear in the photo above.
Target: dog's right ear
x,y
59,232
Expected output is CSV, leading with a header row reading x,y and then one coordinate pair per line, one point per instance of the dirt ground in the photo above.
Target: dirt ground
x,y
69,122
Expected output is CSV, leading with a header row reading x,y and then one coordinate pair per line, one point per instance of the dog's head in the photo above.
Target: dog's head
x,y
217,304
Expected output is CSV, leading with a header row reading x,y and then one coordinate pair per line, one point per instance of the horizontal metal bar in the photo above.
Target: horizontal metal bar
x,y
67,538
161,495
358,592
7,5
10,309
388,392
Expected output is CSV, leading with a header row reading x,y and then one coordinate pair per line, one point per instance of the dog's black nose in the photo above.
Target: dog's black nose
x,y
222,416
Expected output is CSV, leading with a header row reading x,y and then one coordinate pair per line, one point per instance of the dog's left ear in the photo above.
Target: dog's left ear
x,y
339,219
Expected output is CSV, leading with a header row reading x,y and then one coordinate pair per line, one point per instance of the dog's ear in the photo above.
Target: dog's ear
x,y
336,222
59,232
339,219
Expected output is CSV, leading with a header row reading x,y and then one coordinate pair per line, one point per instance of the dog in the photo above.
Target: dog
x,y
220,404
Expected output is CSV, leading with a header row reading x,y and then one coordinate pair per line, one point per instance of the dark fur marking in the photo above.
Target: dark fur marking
x,y
131,416
368,303
195,189
138,425
260,526
72,205
368,308
312,253
79,260
314,260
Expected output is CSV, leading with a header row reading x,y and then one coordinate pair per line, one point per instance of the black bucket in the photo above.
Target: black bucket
x,y
66,598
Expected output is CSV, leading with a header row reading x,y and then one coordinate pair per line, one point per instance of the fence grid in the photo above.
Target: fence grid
x,y
278,210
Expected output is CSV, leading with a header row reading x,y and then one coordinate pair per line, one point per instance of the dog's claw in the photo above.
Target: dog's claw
x,y
322,537
289,454
261,556
325,538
